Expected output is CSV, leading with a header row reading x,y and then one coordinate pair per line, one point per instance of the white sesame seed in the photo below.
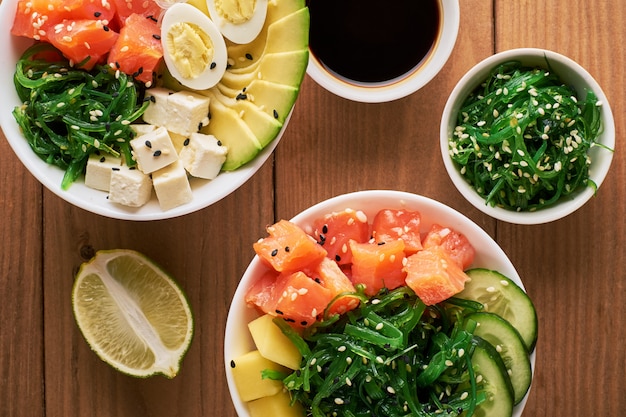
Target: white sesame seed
x,y
390,390
379,326
338,401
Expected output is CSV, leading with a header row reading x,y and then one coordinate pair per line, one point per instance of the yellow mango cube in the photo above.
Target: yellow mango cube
x,y
278,405
247,374
273,344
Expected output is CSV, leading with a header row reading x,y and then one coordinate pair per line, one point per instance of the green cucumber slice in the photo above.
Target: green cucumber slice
x,y
491,374
500,295
508,343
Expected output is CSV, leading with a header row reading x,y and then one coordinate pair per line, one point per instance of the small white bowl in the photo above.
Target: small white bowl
x,y
404,85
205,192
570,73
238,341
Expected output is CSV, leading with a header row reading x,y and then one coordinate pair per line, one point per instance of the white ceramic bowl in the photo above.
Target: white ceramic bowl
x,y
570,73
205,192
404,86
237,339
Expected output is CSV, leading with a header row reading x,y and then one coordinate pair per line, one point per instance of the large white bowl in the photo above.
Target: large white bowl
x,y
570,73
238,341
205,192
404,85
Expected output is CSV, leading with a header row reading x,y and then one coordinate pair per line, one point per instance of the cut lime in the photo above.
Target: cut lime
x,y
132,314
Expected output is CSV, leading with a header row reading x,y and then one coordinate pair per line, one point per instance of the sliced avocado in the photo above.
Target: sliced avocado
x,y
262,125
234,133
272,98
279,67
289,33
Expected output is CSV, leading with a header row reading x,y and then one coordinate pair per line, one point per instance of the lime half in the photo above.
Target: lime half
x,y
132,314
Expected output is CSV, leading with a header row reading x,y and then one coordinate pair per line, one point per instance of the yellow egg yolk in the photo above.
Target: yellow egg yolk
x,y
235,11
191,49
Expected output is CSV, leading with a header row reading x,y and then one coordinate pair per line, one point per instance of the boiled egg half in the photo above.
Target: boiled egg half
x,y
240,21
193,47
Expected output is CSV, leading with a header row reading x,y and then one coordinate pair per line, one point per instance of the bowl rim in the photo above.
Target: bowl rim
x,y
404,85
567,205
205,192
237,340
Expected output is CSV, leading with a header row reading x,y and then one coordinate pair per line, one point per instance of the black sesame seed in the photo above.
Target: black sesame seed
x,y
232,364
157,37
219,143
186,142
274,252
154,19
115,169
325,229
102,159
148,144
106,28
200,126
249,56
287,248
157,153
213,65
241,96
97,14
275,114
290,320
117,65
337,258
303,322
316,279
280,313
153,99
209,116
132,168
380,243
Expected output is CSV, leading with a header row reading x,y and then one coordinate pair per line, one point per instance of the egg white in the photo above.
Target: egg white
x,y
242,33
186,13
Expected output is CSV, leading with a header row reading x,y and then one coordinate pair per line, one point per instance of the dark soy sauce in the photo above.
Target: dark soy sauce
x,y
372,41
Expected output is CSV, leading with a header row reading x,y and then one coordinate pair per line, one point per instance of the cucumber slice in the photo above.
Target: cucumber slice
x,y
502,296
508,343
491,374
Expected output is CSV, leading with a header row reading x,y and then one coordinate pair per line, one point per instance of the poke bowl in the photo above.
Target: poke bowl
x,y
253,100
527,163
242,342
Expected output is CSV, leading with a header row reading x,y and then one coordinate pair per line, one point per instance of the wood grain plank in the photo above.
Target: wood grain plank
x,y
206,252
21,342
570,267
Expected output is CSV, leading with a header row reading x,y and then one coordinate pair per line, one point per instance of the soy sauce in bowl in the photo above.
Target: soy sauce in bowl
x,y
373,42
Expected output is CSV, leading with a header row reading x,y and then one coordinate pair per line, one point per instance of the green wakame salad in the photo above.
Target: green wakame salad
x,y
393,356
522,138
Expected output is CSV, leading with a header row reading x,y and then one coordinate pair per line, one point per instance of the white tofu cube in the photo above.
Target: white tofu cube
x,y
99,167
129,187
142,129
203,156
172,186
181,112
154,150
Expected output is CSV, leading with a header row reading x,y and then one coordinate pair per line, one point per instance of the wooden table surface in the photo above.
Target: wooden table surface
x,y
572,268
